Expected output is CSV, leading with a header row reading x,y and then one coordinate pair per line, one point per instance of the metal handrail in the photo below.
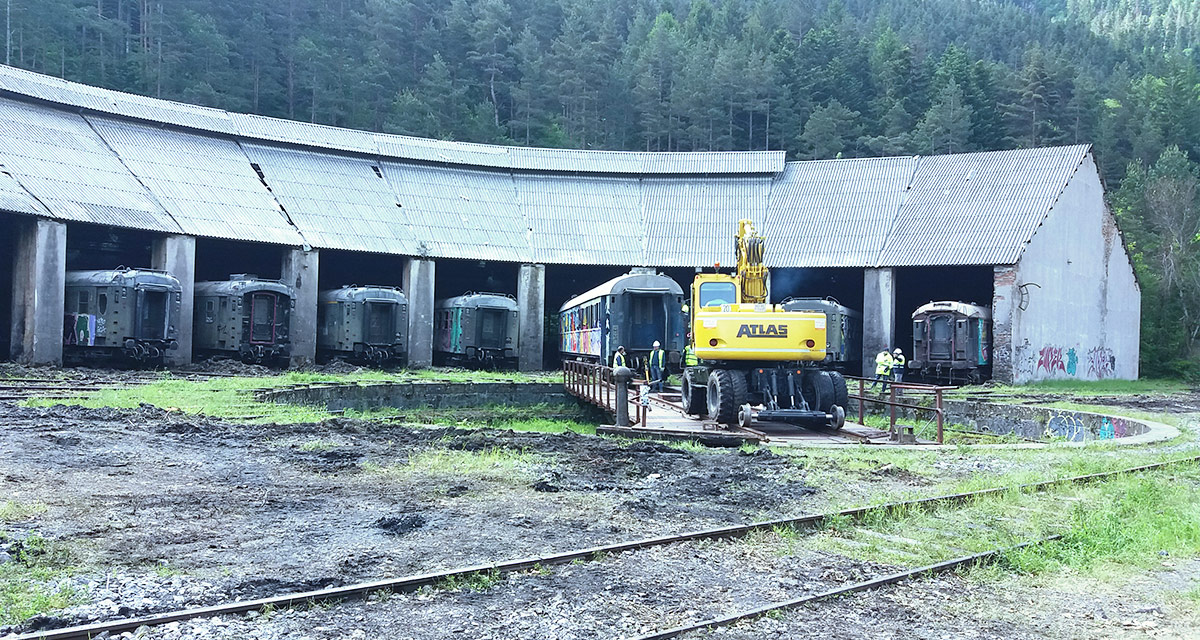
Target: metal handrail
x,y
594,384
892,403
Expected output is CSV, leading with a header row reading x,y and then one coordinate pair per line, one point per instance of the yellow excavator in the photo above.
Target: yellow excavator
x,y
757,360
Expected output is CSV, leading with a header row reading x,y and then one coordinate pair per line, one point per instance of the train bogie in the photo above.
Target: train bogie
x,y
633,310
363,324
129,314
952,340
244,317
844,329
476,329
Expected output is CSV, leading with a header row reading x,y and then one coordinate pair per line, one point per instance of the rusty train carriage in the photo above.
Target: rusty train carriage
x,y
121,314
477,329
367,324
952,341
244,317
633,311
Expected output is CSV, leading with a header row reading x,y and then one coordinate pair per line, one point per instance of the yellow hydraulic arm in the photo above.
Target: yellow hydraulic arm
x,y
751,272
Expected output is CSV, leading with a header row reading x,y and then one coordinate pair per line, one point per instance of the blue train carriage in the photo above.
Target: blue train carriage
x,y
364,324
244,317
477,329
633,311
121,314
952,342
844,330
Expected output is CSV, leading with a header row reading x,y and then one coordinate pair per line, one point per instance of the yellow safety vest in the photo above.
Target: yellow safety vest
x,y
689,357
658,358
898,362
883,364
618,359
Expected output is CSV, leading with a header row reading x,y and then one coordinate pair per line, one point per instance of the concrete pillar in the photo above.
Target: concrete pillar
x,y
300,270
879,315
177,255
418,287
531,314
1005,301
39,283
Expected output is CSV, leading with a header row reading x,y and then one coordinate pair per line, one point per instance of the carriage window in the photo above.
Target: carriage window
x,y
83,301
715,294
210,309
102,303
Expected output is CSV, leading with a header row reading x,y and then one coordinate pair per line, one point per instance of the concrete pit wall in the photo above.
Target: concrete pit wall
x,y
1040,423
439,395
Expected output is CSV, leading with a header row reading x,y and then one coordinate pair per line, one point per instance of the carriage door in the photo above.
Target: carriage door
x,y
962,341
379,321
152,314
647,321
262,317
492,327
941,338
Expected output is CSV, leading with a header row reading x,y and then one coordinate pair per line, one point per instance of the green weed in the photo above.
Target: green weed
x,y
318,445
31,583
13,511
478,581
496,463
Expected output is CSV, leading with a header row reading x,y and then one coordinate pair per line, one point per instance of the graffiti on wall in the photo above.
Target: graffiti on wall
x,y
1050,359
1112,428
82,329
1101,362
1065,425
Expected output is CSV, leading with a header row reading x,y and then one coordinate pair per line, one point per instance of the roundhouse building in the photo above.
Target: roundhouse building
x,y
93,179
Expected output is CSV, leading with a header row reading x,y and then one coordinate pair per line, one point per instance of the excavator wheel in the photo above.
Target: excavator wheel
x,y
818,390
695,401
726,392
841,395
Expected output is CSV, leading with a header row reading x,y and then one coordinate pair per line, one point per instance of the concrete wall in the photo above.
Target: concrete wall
x,y
879,316
177,256
1040,423
300,270
39,283
1082,306
418,287
531,301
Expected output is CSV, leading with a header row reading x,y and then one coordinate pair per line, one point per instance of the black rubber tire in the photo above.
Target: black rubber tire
x,y
726,392
841,394
817,388
695,399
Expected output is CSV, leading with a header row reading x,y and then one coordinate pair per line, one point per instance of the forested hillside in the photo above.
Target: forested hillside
x,y
817,78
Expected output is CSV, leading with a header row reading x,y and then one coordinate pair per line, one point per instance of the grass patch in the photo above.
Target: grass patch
x,y
27,582
478,581
496,463
318,445
1103,387
13,511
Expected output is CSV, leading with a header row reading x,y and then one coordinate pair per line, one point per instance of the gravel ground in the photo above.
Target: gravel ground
x,y
164,511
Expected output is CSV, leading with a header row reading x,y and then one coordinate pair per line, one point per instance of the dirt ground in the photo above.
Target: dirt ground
x,y
162,511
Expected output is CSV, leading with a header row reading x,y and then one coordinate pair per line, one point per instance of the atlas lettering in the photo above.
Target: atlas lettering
x,y
762,331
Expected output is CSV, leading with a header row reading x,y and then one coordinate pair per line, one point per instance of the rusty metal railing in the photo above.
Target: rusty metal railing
x,y
593,383
894,401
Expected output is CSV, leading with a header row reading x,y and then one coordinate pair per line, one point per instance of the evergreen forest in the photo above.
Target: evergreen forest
x,y
817,78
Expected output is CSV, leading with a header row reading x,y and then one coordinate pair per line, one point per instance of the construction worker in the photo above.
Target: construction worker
x,y
689,354
656,367
883,370
898,364
619,358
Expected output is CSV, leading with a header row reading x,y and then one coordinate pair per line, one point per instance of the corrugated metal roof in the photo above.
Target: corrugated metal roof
x,y
691,222
834,213
59,159
303,133
337,202
51,89
14,197
443,151
585,220
205,182
978,208
459,213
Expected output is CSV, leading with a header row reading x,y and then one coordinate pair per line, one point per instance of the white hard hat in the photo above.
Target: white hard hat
x,y
897,350
656,344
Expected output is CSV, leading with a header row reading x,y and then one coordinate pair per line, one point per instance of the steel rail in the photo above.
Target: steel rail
x,y
413,582
874,583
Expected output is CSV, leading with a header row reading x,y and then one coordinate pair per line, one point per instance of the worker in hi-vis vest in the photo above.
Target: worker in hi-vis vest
x,y
689,354
898,365
619,358
656,367
883,369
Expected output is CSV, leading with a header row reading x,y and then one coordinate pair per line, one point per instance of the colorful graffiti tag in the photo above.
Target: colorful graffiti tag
x,y
82,329
1051,359
1065,425
1101,362
1111,428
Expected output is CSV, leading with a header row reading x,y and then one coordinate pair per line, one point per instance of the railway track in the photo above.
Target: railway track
x,y
807,522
